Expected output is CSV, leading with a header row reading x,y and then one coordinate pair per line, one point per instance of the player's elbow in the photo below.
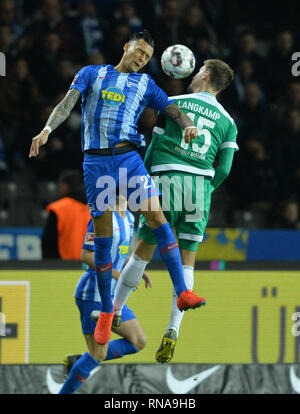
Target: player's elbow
x,y
224,171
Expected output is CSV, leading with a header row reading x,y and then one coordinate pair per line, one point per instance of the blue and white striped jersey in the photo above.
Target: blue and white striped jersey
x,y
112,103
87,287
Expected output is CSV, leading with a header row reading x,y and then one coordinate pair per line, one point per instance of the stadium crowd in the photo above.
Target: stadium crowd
x,y
47,41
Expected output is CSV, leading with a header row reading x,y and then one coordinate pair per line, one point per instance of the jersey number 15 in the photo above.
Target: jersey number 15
x,y
201,124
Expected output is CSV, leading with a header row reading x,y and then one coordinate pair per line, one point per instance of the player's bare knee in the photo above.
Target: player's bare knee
x,y
139,342
155,219
99,353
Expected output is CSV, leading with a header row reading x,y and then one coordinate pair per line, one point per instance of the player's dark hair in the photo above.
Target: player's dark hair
x,y
145,35
221,74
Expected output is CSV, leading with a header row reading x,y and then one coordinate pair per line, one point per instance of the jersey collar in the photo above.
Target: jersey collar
x,y
209,94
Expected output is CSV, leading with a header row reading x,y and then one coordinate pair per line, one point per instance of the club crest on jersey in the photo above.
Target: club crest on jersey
x,y
113,96
131,82
89,238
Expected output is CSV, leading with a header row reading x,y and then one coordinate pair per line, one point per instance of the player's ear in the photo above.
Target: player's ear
x,y
126,46
206,75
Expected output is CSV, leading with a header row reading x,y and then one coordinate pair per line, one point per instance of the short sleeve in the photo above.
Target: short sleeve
x,y
81,79
157,98
88,242
230,139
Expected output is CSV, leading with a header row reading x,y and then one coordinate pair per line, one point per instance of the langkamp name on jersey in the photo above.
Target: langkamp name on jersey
x,y
113,96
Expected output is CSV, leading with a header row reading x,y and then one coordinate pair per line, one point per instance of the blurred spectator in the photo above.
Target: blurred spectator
x,y
195,25
202,49
6,39
287,216
67,221
279,63
87,33
64,148
18,97
50,161
255,178
49,18
113,48
19,93
148,11
251,115
8,17
44,64
104,7
64,71
126,12
246,48
235,94
287,141
165,28
95,59
218,14
287,99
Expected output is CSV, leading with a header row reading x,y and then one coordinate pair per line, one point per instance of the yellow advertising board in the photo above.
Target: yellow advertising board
x,y
14,308
249,317
224,244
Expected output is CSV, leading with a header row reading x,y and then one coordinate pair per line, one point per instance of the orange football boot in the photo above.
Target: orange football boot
x,y
189,300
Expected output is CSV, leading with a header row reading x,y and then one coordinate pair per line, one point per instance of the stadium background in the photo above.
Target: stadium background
x,y
255,214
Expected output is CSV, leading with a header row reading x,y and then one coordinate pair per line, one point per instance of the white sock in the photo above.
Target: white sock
x,y
130,277
176,314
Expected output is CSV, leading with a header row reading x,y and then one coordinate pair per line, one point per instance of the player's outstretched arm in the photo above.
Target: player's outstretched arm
x,y
59,114
185,123
224,166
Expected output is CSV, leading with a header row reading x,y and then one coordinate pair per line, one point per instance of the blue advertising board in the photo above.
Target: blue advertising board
x,y
20,243
24,243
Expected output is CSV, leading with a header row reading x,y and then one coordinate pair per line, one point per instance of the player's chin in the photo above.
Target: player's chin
x,y
135,67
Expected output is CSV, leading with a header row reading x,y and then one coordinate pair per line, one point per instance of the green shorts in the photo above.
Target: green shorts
x,y
185,201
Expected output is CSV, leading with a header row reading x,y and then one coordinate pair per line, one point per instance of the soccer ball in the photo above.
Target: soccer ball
x,y
178,61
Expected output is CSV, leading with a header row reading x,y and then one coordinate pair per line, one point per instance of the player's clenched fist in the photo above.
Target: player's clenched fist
x,y
37,142
190,133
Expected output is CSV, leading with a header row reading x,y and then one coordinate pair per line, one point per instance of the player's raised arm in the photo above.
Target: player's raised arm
x,y
159,100
59,114
185,123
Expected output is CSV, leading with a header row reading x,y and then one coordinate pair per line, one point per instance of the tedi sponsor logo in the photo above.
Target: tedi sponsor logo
x,y
113,96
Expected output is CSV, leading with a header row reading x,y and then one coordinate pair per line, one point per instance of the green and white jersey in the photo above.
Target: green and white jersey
x,y
217,130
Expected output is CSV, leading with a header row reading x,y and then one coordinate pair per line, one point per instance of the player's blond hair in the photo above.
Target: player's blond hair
x,y
221,74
